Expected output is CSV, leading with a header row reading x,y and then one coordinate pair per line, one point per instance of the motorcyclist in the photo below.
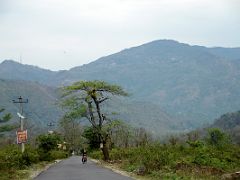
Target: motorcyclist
x,y
84,155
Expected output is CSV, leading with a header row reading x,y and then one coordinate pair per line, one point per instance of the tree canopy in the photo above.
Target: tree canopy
x,y
91,94
95,88
5,118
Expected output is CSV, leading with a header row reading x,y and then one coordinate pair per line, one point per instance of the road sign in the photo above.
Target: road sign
x,y
21,136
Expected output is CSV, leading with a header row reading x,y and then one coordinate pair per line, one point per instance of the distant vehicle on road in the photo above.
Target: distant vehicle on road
x,y
84,156
84,159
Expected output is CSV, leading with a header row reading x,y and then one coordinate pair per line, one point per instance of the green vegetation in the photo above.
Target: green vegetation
x,y
70,126
7,127
209,158
12,160
13,163
229,123
218,138
5,118
48,147
48,142
92,138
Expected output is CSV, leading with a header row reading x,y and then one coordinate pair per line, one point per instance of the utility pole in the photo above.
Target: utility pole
x,y
51,124
20,101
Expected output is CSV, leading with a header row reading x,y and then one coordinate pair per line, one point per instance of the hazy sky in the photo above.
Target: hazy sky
x,y
60,34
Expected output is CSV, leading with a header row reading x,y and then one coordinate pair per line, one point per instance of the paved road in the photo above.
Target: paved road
x,y
73,169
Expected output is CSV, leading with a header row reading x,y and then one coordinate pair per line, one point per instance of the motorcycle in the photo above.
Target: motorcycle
x,y
84,159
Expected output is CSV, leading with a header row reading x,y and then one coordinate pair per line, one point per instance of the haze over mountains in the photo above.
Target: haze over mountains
x,y
173,86
40,109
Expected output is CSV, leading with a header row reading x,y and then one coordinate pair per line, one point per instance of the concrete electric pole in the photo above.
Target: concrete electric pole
x,y
20,101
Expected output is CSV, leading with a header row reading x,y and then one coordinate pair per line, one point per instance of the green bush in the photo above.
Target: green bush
x,y
118,154
55,154
48,142
52,155
12,157
44,156
218,138
96,155
30,156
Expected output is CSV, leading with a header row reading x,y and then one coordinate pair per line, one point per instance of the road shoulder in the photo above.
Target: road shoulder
x,y
116,169
37,169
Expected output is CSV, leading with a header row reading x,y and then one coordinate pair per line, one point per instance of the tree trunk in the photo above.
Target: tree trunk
x,y
105,151
98,111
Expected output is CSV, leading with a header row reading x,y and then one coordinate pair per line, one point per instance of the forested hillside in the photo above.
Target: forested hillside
x,y
193,85
12,70
41,107
230,123
189,82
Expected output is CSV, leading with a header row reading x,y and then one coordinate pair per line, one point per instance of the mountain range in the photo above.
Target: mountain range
x,y
173,85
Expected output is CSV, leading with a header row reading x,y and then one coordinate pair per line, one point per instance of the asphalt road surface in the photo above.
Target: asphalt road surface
x,y
73,169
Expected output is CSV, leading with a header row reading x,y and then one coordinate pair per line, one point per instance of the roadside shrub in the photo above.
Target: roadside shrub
x,y
156,157
55,154
11,157
119,154
30,156
7,174
153,157
48,142
44,156
96,155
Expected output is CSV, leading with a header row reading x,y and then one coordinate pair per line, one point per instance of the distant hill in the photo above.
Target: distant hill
x,y
230,123
147,115
12,70
228,53
41,108
191,84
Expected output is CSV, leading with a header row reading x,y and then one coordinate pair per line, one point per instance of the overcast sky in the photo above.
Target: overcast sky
x,y
61,34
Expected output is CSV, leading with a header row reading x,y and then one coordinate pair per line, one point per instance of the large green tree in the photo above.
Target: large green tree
x,y
92,94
